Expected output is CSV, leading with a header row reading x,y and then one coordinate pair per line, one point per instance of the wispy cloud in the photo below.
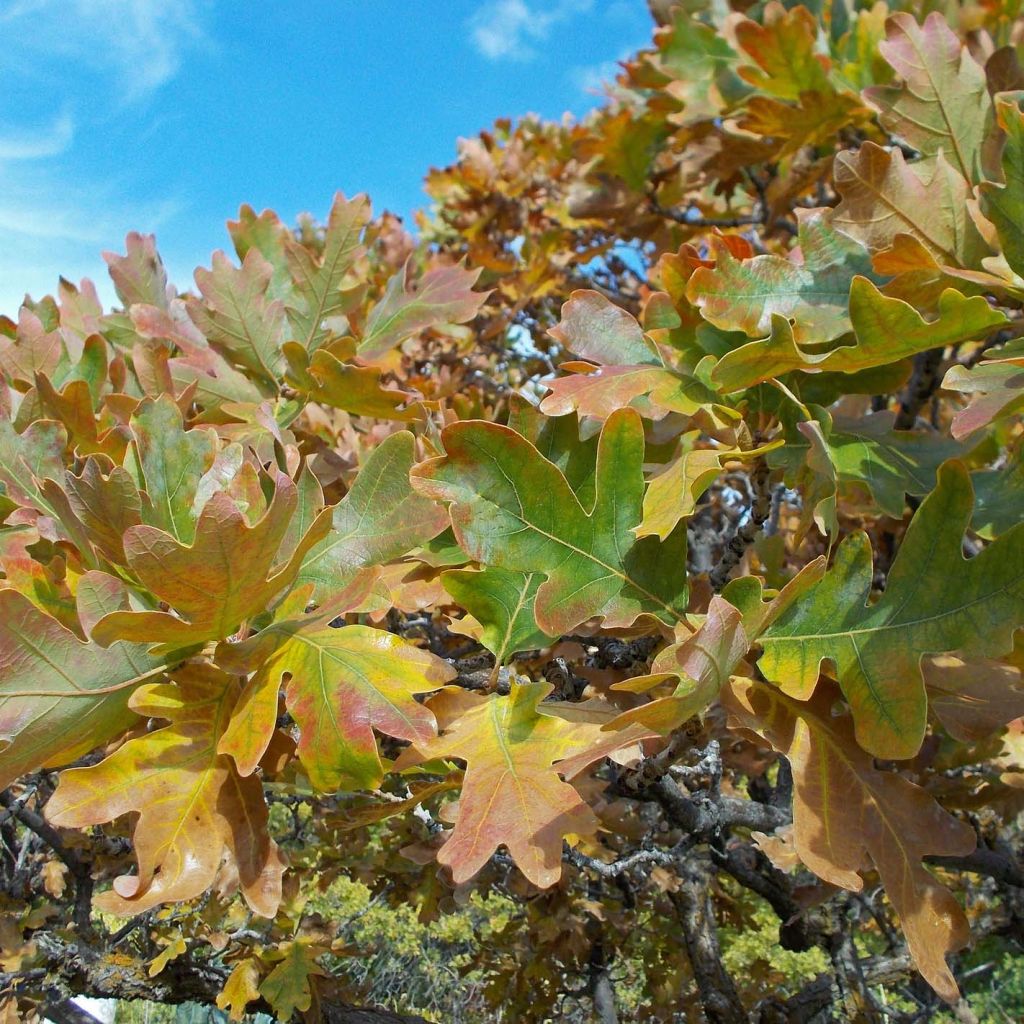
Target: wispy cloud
x,y
138,44
90,61
512,29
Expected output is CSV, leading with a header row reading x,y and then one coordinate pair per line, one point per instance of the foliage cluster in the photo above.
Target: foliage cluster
x,y
641,545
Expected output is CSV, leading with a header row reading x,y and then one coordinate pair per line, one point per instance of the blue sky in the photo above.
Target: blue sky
x,y
165,115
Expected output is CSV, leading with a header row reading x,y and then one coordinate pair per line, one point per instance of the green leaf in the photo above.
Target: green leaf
x,y
501,601
998,499
514,509
889,463
238,317
327,379
288,987
170,462
380,518
1003,202
52,708
342,684
942,104
744,295
318,284
887,330
441,296
935,602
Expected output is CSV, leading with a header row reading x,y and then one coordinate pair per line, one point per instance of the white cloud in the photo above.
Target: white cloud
x,y
509,29
88,60
137,44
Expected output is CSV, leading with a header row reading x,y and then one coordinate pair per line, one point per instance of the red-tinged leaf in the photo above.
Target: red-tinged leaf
x,y
512,795
594,328
139,276
228,574
34,350
699,666
340,684
193,808
883,197
849,816
996,387
784,49
653,390
973,699
942,104
744,295
238,318
318,283
61,697
441,296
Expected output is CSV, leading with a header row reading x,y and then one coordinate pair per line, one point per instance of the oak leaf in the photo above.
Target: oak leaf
x,y
942,103
443,295
227,575
512,795
379,519
193,807
935,602
849,816
512,508
340,684
500,604
59,696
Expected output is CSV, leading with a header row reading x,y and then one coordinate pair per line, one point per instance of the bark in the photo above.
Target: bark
x,y
718,995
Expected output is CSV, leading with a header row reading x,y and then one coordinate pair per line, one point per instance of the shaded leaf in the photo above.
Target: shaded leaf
x,y
1003,202
288,987
849,816
973,699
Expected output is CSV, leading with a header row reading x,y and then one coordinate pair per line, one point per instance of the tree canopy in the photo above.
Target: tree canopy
x,y
635,551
